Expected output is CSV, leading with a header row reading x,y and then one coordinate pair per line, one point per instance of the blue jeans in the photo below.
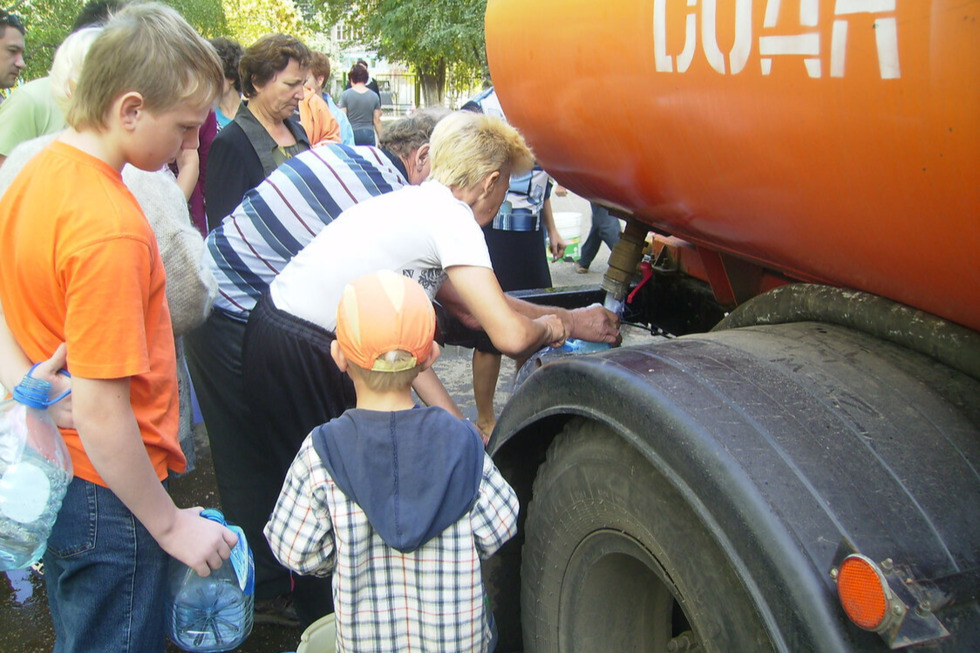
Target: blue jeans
x,y
605,229
106,578
364,136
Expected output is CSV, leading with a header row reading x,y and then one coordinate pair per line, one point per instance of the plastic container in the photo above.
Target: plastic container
x,y
571,347
569,226
35,470
320,637
213,613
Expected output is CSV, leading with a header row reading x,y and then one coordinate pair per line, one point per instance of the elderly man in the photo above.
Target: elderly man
x,y
11,48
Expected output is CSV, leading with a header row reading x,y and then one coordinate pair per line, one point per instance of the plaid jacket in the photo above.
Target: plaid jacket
x,y
431,599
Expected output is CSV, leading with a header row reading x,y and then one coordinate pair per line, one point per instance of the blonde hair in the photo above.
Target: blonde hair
x,y
67,64
379,381
466,147
147,48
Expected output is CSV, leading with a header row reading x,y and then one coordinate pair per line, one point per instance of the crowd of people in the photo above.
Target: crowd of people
x,y
217,213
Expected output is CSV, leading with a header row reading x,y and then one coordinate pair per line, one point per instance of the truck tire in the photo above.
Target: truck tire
x,y
614,560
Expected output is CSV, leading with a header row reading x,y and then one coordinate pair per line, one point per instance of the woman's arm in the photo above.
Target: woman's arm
x,y
188,171
556,243
593,323
513,333
433,393
378,127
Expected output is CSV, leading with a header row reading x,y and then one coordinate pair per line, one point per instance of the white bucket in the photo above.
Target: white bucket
x,y
320,637
569,225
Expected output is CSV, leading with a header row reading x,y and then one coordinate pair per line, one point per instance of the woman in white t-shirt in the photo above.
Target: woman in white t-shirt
x,y
430,233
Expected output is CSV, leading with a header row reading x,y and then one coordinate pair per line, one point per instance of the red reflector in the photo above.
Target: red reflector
x,y
863,592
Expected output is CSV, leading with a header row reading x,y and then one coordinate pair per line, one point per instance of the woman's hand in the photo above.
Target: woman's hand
x,y
595,324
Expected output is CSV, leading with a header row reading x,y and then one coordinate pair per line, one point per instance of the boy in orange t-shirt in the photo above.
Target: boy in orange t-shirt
x,y
79,265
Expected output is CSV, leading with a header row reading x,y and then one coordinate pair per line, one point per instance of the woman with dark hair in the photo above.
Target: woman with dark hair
x,y
263,133
230,53
362,106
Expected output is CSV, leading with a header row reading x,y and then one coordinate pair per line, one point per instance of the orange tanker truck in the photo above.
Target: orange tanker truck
x,y
798,470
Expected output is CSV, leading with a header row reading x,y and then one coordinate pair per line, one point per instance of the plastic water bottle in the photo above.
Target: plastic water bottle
x,y
576,346
35,470
570,347
213,613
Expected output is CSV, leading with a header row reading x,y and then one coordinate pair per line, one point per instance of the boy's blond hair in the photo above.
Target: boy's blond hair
x,y
467,146
387,381
150,49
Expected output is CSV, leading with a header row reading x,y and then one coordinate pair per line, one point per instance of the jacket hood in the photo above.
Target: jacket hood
x,y
413,472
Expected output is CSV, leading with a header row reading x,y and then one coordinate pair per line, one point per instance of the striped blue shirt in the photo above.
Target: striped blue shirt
x,y
281,216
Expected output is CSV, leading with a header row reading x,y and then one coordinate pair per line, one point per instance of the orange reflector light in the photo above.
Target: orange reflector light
x,y
863,592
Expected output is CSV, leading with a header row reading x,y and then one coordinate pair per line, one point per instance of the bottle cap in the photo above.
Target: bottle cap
x,y
32,392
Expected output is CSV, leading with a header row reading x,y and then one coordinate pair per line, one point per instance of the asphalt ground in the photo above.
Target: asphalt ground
x,y
25,625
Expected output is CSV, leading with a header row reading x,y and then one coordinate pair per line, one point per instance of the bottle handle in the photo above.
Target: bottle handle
x,y
64,394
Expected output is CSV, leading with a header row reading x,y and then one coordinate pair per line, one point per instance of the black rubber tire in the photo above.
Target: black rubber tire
x,y
614,560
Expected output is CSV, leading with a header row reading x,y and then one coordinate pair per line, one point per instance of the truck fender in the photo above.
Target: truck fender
x,y
783,443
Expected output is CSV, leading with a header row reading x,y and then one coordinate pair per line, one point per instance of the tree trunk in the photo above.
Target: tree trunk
x,y
432,78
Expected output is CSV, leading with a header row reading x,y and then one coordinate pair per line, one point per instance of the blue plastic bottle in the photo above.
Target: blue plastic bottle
x,y
35,470
576,346
213,613
571,347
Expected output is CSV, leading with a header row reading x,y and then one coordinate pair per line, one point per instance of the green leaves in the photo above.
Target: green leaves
x,y
435,37
441,40
48,22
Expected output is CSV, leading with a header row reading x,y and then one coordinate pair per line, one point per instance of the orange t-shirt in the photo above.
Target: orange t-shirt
x,y
319,123
79,264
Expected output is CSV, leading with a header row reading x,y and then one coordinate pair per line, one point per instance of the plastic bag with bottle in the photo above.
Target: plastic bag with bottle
x,y
35,470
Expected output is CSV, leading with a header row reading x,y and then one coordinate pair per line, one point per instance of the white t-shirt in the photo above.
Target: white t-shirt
x,y
417,230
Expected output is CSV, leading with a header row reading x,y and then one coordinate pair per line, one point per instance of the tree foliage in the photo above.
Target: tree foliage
x,y
441,40
437,38
48,22
250,19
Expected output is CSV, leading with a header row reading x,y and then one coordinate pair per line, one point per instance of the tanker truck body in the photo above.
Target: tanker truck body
x,y
799,472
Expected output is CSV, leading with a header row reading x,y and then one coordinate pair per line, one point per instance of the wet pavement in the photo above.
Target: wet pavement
x,y
25,625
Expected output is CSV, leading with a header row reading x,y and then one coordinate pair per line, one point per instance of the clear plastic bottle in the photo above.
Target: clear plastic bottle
x,y
213,613
35,470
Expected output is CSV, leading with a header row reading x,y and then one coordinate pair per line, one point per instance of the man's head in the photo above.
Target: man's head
x,y
11,48
408,139
385,331
475,155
